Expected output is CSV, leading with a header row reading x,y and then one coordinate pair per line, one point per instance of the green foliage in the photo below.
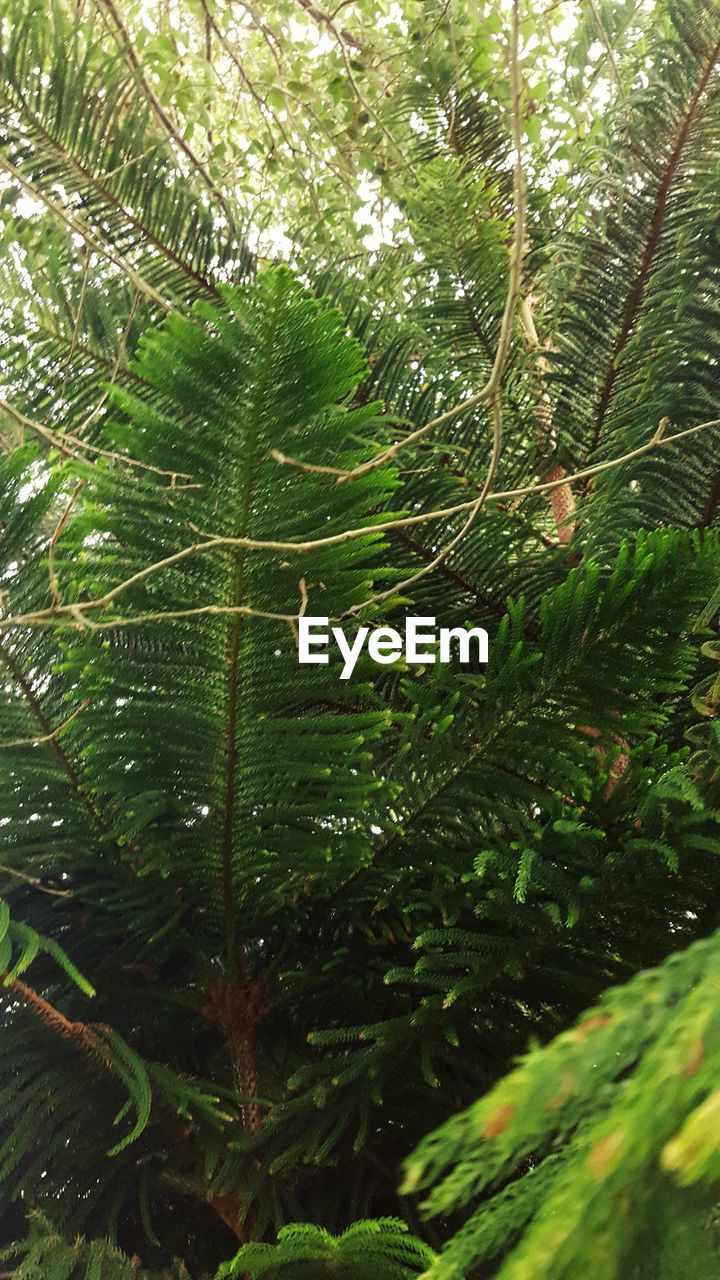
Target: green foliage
x,y
48,1255
378,1248
569,1156
322,918
232,376
20,945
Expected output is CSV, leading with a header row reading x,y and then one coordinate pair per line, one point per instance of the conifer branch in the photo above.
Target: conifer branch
x,y
99,183
637,290
52,736
78,1032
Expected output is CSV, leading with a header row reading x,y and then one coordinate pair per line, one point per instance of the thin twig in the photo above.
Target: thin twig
x,y
484,396
513,293
35,883
487,393
68,443
74,618
119,360
174,135
609,51
304,601
78,319
262,103
54,590
328,20
80,228
475,509
657,440
75,615
47,737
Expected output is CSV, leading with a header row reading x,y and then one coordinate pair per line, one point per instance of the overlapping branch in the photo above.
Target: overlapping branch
x,y
71,446
174,134
489,393
80,614
90,613
79,227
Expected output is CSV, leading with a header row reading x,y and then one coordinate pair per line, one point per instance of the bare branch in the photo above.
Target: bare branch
x,y
35,883
54,592
513,293
328,20
487,394
47,737
475,510
74,618
342,39
609,51
76,614
67,444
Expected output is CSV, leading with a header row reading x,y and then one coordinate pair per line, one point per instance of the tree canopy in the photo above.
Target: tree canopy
x,y
359,311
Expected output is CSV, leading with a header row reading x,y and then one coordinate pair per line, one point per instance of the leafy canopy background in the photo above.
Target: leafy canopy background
x,y
364,311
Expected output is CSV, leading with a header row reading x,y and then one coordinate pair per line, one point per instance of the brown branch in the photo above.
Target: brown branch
x,y
609,51
47,737
635,297
357,91
236,1005
67,444
34,882
501,354
72,614
272,40
326,20
78,1032
712,502
74,617
54,590
212,26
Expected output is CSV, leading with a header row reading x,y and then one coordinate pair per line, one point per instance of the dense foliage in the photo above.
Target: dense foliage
x,y
397,309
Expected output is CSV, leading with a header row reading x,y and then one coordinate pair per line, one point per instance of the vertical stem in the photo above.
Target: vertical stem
x,y
52,738
241,1009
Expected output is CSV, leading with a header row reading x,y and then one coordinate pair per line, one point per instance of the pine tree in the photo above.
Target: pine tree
x,y
267,935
